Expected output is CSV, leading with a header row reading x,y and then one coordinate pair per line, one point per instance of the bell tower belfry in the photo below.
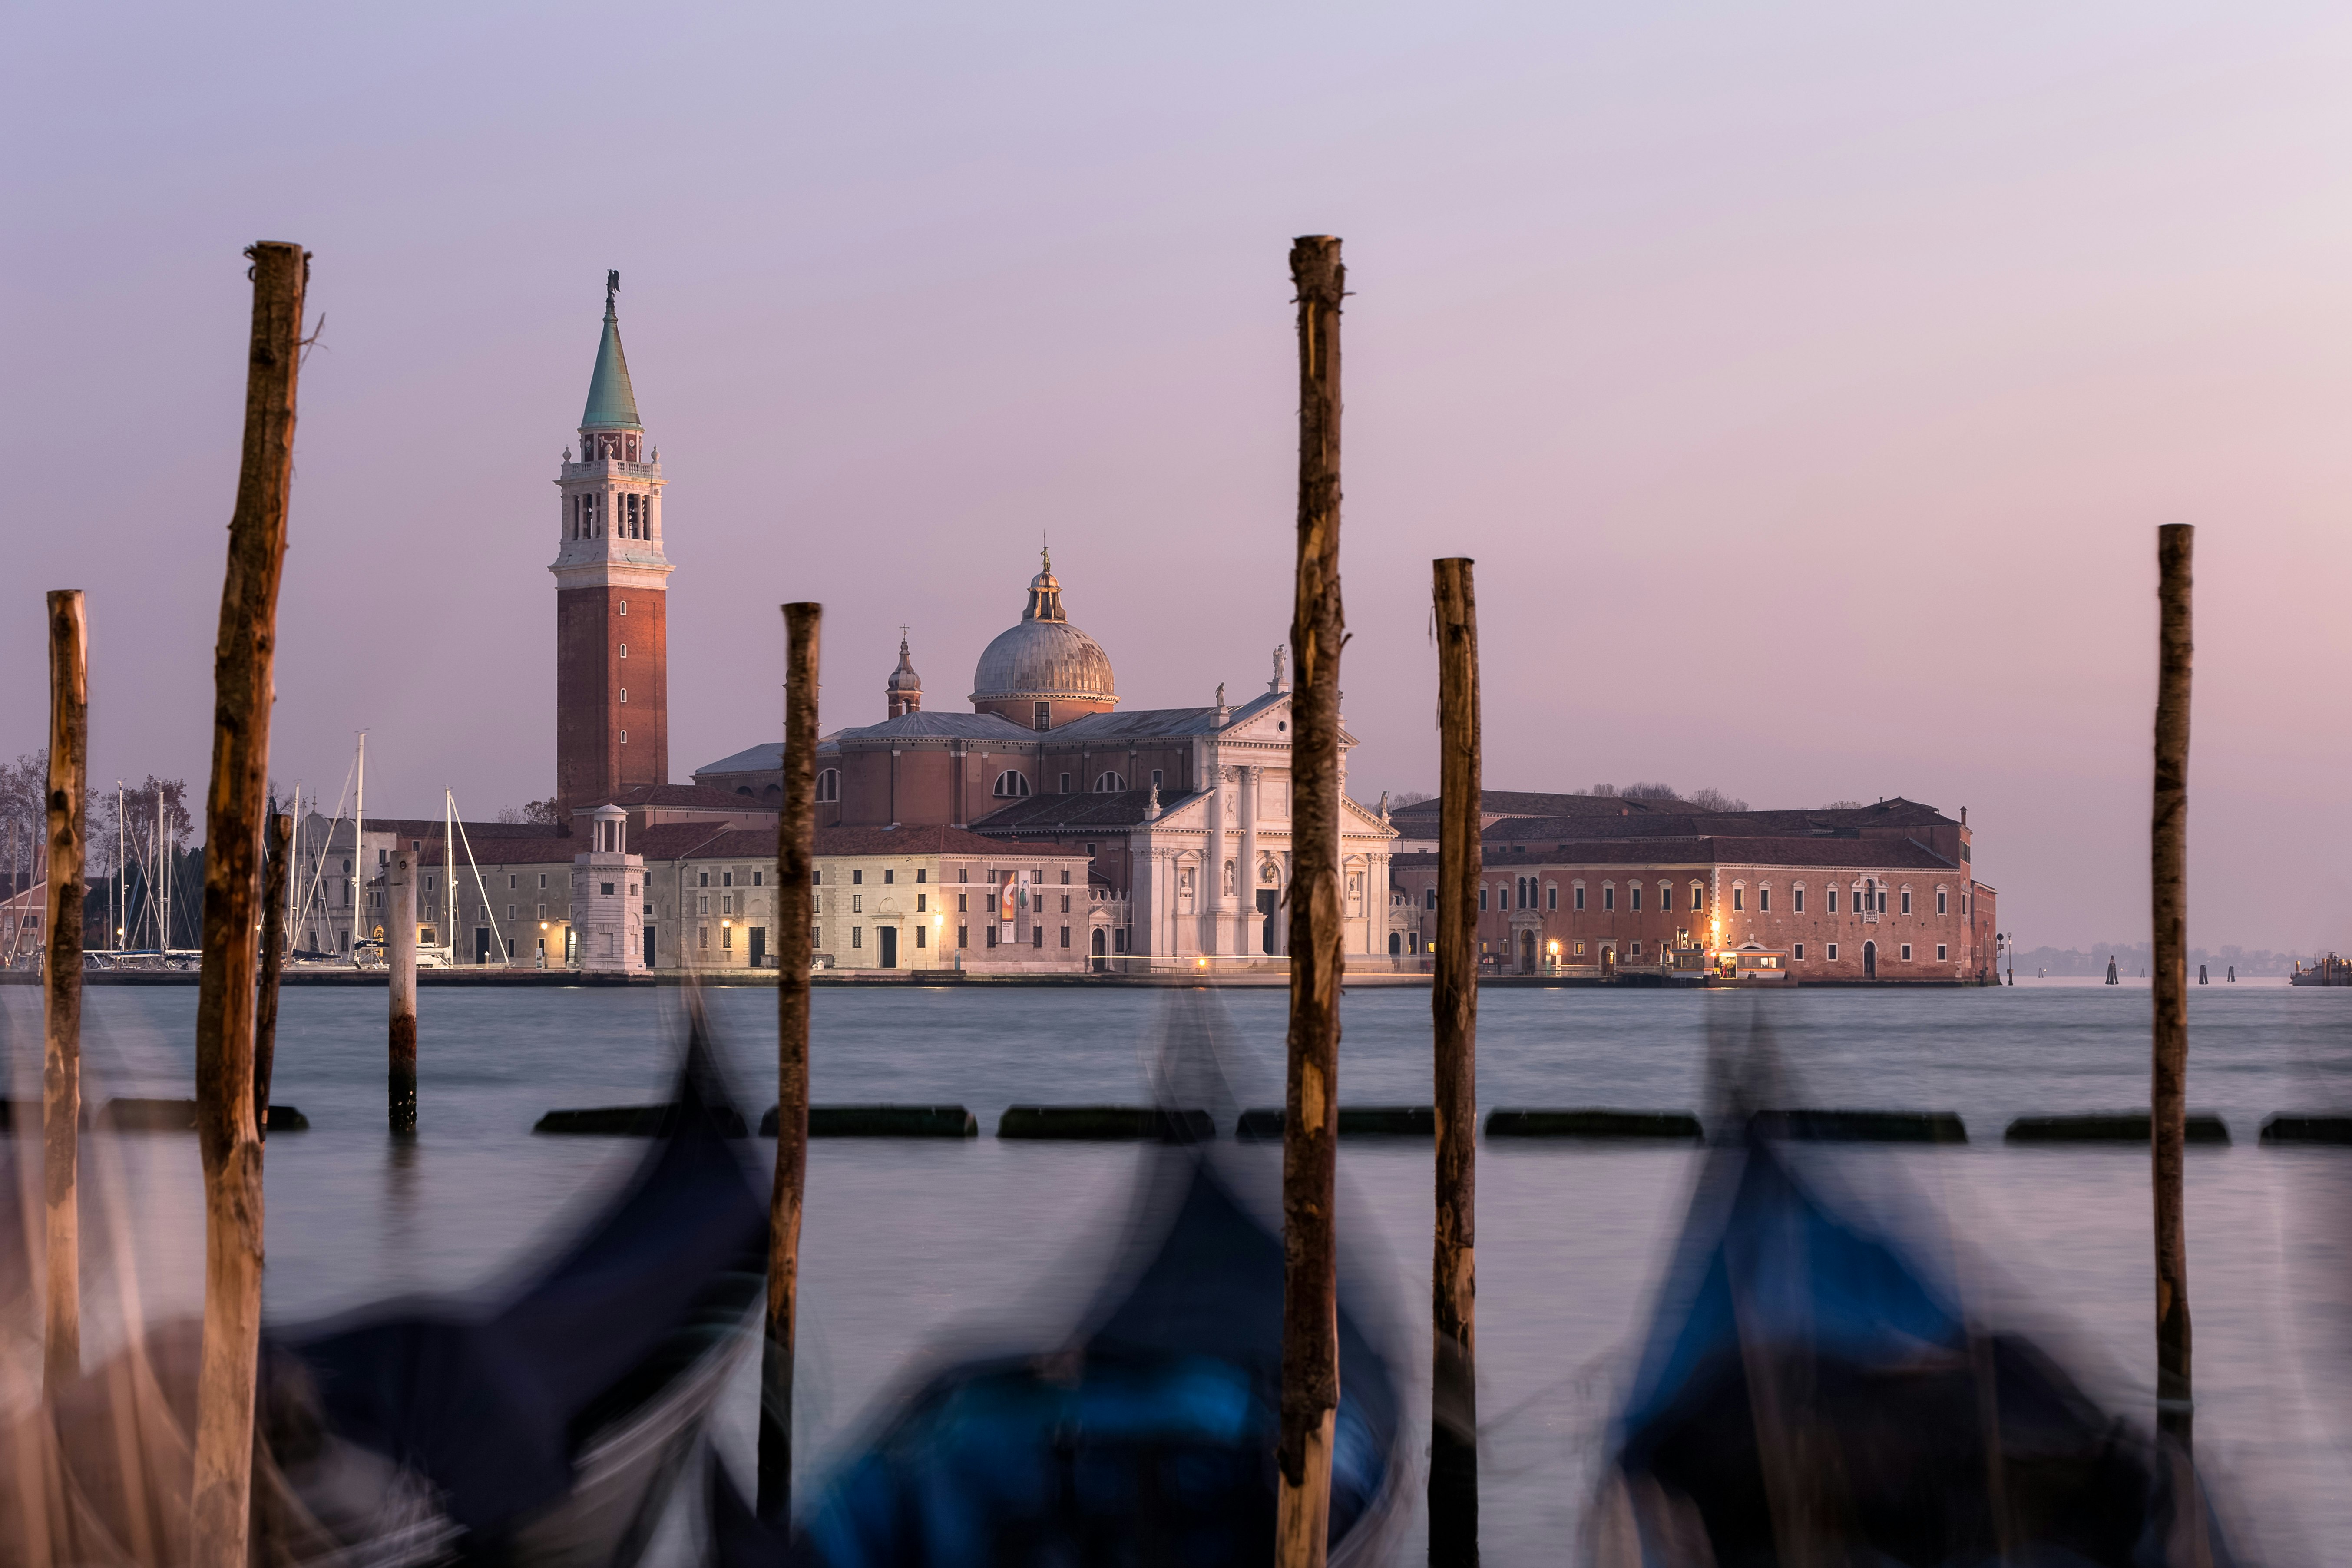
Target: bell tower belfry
x,y
612,639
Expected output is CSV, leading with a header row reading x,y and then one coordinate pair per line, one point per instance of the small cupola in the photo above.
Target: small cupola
x,y
904,690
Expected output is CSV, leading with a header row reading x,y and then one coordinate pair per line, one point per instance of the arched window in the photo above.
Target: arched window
x,y
1011,786
1109,783
828,784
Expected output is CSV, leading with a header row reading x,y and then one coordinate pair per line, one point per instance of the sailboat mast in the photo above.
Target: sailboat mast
x,y
358,846
449,872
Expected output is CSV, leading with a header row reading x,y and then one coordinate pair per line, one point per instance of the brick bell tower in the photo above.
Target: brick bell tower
x,y
611,640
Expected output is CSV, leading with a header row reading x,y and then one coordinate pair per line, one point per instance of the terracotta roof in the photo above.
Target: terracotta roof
x,y
685,795
1076,813
1860,854
925,840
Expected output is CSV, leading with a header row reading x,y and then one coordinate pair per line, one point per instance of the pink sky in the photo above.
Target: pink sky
x,y
1808,381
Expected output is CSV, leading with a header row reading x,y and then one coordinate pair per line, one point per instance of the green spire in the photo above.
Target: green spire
x,y
612,402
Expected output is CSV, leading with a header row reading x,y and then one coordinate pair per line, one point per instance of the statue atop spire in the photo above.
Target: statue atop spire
x,y
612,401
1276,684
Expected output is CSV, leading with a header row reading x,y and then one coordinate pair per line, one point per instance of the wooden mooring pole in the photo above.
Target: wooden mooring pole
x,y
1310,1117
1453,1014
400,957
2168,889
242,690
61,983
795,949
273,963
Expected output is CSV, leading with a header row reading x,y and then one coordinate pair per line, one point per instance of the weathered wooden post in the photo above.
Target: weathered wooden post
x,y
1310,1115
242,661
2168,889
273,962
400,958
795,949
1453,1012
61,983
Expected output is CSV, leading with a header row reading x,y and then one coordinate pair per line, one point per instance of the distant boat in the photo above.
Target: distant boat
x,y
2328,971
1150,1438
1810,1398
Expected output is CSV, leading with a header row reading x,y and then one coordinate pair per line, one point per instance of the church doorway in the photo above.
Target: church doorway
x,y
1608,961
1266,899
889,935
759,947
1527,952
1396,944
1870,961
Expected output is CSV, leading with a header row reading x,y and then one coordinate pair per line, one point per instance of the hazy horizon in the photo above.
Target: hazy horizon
x,y
1808,383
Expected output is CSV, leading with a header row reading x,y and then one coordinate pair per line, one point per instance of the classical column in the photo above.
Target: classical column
x,y
1212,867
1246,871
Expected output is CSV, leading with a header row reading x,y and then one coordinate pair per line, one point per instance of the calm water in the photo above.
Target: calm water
x,y
917,1245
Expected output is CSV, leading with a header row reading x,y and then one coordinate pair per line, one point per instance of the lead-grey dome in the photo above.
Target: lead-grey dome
x,y
1044,656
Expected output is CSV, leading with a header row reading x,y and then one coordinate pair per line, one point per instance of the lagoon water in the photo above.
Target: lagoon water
x,y
913,1248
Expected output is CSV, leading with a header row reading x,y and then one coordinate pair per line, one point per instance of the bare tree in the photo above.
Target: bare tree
x,y
1712,799
1844,805
539,811
1650,791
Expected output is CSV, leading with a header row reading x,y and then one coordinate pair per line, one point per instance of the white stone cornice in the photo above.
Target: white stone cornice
x,y
649,575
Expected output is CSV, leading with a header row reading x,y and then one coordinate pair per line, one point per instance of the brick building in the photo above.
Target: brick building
x,y
1592,885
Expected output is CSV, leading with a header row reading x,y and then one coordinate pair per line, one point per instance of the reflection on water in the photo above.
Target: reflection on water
x,y
906,1241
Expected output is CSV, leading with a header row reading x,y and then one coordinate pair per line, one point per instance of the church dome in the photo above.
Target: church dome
x,y
1044,656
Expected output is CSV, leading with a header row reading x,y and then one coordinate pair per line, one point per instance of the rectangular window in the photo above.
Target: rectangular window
x,y
1608,896
1801,952
1739,898
856,903
1044,713
726,878
1066,936
1156,779
1764,900
1066,880
1906,900
1065,903
1636,890
511,911
1482,895
1906,953
1832,900
704,933
858,936
1637,949
1798,896
702,879
1037,936
817,902
963,903
1579,949
816,876
1882,900
726,935
1065,784
1940,906
1579,902
759,879
605,888
1430,896
1502,897
922,875
889,877
992,933
858,878
920,902
510,880
1943,952
1833,952
542,878
1698,896
1551,897
963,936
